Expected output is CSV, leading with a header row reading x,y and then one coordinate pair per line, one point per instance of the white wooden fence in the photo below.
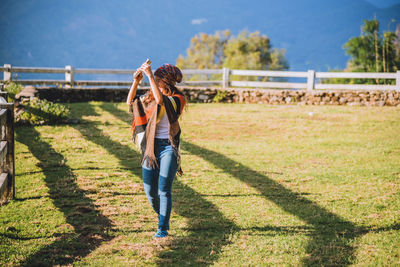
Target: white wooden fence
x,y
310,76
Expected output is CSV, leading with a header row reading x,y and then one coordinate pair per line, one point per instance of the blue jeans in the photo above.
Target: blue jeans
x,y
158,182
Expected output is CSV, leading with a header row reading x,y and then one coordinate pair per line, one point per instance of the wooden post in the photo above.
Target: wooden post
x,y
398,81
10,141
225,78
9,167
69,76
7,73
310,80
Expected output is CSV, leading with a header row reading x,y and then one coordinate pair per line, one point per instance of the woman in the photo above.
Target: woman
x,y
156,132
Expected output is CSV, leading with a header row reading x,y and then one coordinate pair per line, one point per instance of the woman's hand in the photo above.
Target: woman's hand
x,y
153,84
146,69
138,75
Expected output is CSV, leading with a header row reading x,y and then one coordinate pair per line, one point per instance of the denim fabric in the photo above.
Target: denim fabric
x,y
158,182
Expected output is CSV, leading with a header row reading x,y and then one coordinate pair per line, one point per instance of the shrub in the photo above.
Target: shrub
x,y
38,112
13,89
219,97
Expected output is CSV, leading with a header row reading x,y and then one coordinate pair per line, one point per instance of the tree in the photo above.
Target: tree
x,y
246,51
373,51
278,60
396,42
205,51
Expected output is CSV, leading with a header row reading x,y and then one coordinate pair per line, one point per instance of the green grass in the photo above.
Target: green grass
x,y
263,185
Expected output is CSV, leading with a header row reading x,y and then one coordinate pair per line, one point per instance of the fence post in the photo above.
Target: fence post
x,y
10,142
310,80
8,135
398,81
225,78
69,76
7,73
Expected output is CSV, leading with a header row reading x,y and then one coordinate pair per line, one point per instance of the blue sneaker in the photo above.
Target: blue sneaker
x,y
160,234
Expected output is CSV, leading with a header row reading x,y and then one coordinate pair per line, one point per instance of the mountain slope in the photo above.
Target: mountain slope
x,y
122,34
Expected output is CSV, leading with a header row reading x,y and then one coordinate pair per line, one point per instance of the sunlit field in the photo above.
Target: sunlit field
x,y
262,185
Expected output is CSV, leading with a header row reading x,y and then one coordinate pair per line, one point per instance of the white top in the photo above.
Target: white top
x,y
162,128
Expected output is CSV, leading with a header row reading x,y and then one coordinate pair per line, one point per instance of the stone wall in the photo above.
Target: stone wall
x,y
69,95
267,96
299,97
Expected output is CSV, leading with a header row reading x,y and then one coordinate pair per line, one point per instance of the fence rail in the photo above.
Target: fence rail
x,y
311,77
7,165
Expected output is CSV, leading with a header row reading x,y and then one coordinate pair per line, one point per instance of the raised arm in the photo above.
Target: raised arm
x,y
137,77
154,87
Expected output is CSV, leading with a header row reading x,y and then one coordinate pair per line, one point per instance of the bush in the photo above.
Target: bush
x,y
220,96
38,112
12,89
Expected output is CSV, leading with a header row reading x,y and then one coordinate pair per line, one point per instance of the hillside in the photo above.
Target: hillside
x,y
118,34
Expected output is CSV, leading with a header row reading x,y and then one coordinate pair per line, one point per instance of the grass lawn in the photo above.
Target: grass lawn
x,y
263,185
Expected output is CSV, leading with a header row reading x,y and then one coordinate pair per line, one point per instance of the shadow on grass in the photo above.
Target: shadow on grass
x,y
203,239
19,237
90,226
192,248
330,235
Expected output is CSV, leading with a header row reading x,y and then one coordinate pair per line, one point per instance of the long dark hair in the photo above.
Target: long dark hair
x,y
170,90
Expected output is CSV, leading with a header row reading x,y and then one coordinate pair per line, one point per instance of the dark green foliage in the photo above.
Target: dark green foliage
x,y
373,51
38,111
219,97
13,89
